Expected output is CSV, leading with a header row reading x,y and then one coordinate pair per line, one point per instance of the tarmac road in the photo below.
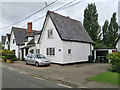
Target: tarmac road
x,y
16,79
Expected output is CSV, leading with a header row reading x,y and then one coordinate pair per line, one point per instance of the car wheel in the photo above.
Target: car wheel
x,y
48,65
26,62
37,64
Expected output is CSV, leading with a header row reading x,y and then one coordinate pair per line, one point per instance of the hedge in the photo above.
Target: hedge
x,y
115,61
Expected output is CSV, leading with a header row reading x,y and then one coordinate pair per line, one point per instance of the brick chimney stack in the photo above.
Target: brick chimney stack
x,y
29,28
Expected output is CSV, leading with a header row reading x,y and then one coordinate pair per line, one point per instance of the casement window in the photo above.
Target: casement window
x,y
26,39
13,40
50,33
50,51
38,50
69,51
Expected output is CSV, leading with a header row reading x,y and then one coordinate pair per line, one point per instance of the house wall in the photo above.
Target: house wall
x,y
6,45
118,45
54,42
13,46
79,52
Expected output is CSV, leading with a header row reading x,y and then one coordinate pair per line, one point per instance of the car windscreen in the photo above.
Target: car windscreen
x,y
39,56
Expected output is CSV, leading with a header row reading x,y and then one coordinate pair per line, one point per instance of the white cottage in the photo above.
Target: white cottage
x,y
64,40
17,39
30,42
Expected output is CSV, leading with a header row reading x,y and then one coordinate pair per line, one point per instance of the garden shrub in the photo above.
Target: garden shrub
x,y
14,59
115,61
3,57
7,53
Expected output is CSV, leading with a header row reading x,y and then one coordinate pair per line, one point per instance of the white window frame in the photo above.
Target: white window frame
x,y
50,51
69,51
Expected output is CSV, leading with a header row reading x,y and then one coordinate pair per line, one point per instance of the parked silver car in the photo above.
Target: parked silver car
x,y
37,59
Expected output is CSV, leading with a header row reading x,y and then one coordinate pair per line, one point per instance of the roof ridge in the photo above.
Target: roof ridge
x,y
64,16
19,28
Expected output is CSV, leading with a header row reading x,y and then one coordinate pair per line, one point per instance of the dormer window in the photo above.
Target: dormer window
x,y
50,33
26,39
13,40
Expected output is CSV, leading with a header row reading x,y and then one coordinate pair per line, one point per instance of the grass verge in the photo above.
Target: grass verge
x,y
107,77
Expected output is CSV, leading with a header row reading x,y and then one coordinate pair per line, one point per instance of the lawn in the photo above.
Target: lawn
x,y
107,77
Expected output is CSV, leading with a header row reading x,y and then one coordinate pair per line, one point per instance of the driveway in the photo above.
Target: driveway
x,y
73,75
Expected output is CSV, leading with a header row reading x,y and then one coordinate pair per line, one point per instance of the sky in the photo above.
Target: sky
x,y
15,10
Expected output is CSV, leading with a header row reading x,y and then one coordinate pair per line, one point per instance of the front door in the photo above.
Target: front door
x,y
22,50
26,50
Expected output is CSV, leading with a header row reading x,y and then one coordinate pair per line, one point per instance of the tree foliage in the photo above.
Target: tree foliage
x,y
91,21
112,29
105,32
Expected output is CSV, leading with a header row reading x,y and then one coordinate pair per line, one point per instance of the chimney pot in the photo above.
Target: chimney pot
x,y
29,28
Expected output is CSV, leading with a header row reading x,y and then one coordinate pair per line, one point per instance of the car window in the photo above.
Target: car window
x,y
40,56
29,56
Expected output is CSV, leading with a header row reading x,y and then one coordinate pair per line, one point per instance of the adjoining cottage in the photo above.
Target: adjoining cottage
x,y
30,42
7,42
17,39
64,40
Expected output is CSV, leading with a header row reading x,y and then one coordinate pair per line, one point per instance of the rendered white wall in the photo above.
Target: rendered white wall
x,y
6,45
118,45
79,52
54,42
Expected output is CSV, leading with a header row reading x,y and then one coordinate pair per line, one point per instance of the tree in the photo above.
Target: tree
x,y
105,32
91,21
112,30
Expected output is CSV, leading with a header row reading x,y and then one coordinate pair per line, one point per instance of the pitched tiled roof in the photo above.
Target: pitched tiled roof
x,y
69,29
3,39
20,34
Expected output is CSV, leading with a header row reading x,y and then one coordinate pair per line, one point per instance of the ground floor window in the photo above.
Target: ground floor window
x,y
50,51
38,51
69,51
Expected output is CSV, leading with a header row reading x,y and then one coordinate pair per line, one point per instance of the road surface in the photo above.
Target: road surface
x,y
16,79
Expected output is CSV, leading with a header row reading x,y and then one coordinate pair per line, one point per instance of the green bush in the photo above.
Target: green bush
x,y
7,53
115,61
3,57
14,59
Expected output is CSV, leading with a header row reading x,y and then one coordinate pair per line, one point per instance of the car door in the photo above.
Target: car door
x,y
33,59
30,59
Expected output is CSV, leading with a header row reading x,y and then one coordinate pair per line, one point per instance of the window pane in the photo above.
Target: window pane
x,y
36,50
